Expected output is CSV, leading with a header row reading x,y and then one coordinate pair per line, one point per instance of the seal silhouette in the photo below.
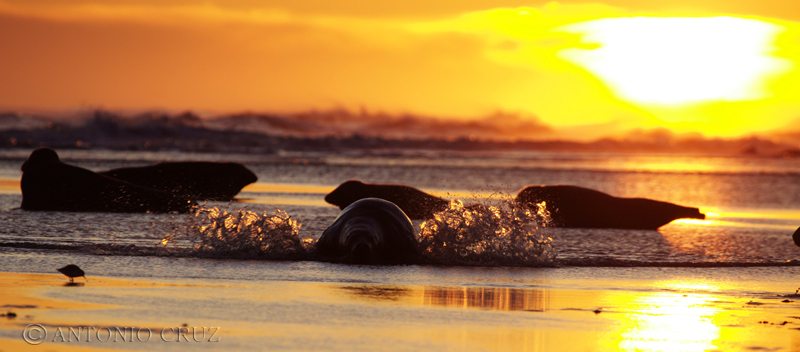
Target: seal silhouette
x,y
199,180
416,204
573,206
49,184
369,231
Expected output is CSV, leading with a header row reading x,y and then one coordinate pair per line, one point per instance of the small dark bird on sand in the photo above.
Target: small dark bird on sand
x,y
72,271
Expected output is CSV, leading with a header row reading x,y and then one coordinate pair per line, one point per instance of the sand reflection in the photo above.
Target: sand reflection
x,y
378,292
496,298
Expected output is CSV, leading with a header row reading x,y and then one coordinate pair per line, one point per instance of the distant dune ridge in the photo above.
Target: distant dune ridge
x,y
340,129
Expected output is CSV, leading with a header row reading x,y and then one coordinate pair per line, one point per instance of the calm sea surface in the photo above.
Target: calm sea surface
x,y
752,203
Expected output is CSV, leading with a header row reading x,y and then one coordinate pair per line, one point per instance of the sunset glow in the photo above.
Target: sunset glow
x,y
584,70
678,60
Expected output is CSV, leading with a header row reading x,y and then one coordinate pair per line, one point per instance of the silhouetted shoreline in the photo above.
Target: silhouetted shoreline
x,y
264,133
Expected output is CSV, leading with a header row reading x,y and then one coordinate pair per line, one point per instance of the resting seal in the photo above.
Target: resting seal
x,y
49,184
417,204
573,206
193,180
369,231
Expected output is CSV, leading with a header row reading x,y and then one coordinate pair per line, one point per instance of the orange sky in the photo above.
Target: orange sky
x,y
721,68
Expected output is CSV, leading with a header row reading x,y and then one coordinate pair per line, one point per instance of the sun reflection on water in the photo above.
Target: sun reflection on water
x,y
761,218
696,221
671,315
669,322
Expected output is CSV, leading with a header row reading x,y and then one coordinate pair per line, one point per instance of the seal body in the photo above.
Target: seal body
x,y
573,206
193,180
49,184
416,204
369,231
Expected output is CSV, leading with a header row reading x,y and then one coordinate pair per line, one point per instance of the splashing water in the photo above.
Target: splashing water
x,y
508,234
242,234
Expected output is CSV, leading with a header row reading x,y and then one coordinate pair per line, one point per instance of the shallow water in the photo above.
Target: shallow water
x,y
752,204
742,251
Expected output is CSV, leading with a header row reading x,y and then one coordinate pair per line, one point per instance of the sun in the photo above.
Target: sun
x,y
679,60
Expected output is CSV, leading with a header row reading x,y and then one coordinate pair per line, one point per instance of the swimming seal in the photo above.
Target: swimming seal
x,y
49,184
417,204
194,180
369,231
573,206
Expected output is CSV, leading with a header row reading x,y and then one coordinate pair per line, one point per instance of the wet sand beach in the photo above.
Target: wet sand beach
x,y
555,313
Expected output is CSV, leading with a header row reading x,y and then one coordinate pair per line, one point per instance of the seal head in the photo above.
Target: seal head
x,y
369,231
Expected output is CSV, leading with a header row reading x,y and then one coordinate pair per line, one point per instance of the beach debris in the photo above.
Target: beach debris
x,y
72,271
781,324
534,310
754,303
9,315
